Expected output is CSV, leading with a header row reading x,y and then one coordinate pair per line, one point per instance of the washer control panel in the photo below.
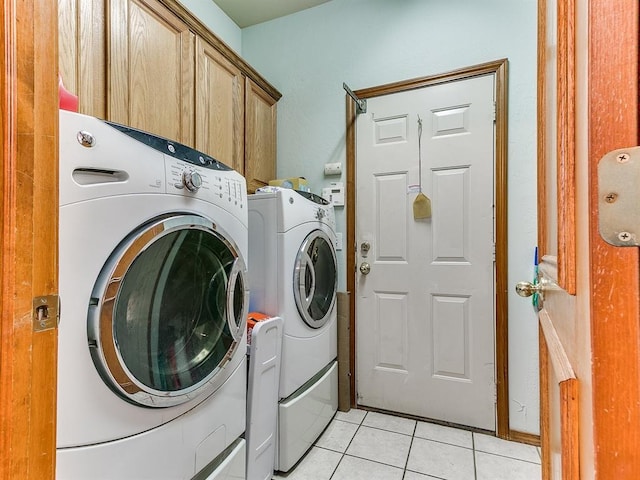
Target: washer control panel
x,y
227,189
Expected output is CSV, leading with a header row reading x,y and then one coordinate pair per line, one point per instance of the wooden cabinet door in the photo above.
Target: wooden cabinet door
x,y
260,132
219,107
82,49
151,77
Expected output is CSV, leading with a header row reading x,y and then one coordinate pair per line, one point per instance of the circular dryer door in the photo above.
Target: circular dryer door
x,y
315,279
168,311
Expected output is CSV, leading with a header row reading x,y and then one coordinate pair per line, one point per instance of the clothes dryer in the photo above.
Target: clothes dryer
x,y
154,295
293,271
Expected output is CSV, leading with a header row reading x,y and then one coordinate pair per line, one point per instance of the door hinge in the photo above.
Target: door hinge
x,y
494,111
46,312
619,197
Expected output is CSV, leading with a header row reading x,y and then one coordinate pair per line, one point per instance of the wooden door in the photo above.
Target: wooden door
x,y
498,71
425,308
590,323
219,107
260,136
151,62
29,238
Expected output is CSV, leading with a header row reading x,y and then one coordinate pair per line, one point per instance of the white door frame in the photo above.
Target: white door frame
x,y
499,68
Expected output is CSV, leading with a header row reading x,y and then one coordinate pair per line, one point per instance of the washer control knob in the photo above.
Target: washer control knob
x,y
320,214
192,180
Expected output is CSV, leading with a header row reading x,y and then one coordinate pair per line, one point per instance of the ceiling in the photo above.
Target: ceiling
x,y
250,12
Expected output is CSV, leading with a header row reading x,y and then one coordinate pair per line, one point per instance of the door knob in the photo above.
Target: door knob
x,y
536,291
526,289
365,268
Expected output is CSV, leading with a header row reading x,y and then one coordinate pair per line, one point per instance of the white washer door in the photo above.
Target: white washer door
x,y
315,279
168,311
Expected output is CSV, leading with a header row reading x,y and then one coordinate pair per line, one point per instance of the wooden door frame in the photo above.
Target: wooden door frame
x,y
29,236
615,319
499,68
611,86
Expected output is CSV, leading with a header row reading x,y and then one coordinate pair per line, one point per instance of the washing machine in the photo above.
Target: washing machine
x,y
293,271
154,295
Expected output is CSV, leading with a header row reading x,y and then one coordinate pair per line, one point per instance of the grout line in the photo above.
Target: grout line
x,y
337,465
373,461
406,462
507,456
473,451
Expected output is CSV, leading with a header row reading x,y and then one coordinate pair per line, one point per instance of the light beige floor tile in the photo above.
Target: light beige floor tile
x,y
337,436
390,423
318,464
497,446
496,467
352,416
440,433
380,446
352,468
440,460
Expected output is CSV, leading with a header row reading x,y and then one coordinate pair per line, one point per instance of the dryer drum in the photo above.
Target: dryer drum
x,y
169,311
315,279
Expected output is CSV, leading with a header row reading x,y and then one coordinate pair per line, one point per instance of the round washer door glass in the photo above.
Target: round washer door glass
x,y
168,311
315,279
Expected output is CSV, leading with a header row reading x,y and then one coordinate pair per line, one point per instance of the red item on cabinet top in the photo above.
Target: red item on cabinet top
x,y
66,99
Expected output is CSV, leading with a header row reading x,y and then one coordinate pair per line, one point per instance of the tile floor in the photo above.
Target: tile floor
x,y
374,446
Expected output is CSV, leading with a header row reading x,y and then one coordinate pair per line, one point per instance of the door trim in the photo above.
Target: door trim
x,y
499,68
615,329
29,237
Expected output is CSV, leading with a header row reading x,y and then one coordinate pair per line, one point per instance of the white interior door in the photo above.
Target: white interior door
x,y
425,311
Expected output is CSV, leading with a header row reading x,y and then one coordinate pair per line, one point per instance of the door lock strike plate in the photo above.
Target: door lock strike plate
x,y
46,312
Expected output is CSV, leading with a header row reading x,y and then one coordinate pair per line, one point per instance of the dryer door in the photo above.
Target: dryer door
x,y
315,279
168,311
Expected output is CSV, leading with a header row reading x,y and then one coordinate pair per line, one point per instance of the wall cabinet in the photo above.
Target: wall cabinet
x,y
260,130
220,110
150,69
152,65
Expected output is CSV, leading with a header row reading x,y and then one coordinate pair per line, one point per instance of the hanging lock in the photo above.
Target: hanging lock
x,y
46,312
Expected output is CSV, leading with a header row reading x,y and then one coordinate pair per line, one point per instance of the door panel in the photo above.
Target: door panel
x,y
219,107
425,312
151,69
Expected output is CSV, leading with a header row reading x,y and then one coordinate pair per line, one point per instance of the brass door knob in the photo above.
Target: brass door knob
x,y
365,268
526,289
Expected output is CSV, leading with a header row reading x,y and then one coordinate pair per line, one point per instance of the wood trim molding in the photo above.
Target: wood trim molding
x,y
552,353
351,238
566,144
558,357
543,248
614,278
524,437
545,405
569,425
499,68
29,236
